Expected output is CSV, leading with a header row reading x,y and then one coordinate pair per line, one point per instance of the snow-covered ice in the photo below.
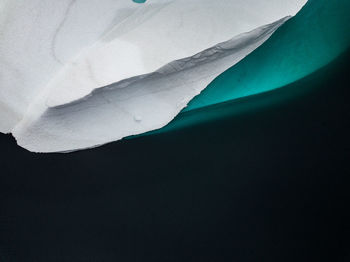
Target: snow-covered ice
x,y
76,74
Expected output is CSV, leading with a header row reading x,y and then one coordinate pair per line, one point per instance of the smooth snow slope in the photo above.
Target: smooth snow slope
x,y
38,37
130,53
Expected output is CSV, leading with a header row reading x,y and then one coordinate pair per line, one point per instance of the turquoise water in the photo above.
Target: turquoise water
x,y
312,39
307,42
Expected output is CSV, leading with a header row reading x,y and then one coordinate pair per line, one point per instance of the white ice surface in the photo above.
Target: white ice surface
x,y
76,74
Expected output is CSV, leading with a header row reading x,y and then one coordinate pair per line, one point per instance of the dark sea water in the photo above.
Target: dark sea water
x,y
268,184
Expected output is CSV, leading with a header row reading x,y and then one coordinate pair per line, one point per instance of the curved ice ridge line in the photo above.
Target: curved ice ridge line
x,y
246,42
211,54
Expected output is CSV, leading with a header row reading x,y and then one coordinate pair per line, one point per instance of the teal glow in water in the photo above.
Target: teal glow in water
x,y
309,41
317,35
139,1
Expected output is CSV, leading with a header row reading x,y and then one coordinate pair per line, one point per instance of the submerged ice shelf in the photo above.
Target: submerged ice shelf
x,y
312,39
78,74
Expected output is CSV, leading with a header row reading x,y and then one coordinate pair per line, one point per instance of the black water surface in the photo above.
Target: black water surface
x,y
268,184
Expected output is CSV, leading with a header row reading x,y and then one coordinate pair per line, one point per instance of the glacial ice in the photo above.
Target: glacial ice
x,y
76,74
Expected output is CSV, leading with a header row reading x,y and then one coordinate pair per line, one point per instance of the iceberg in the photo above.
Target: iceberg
x,y
77,74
